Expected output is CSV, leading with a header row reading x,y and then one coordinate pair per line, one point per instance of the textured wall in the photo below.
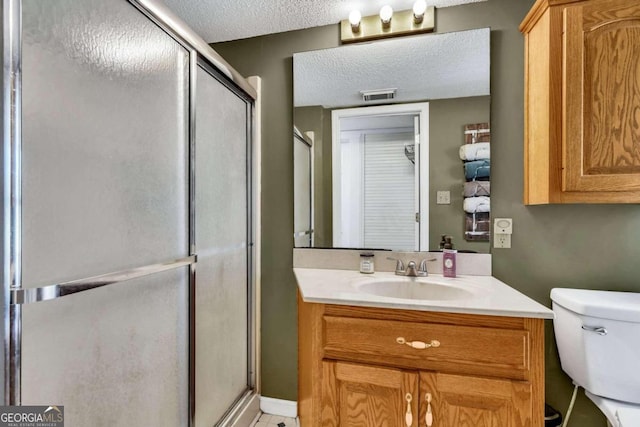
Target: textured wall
x,y
237,19
393,63
585,246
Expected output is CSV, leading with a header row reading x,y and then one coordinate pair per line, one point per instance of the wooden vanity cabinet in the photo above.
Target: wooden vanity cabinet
x,y
356,368
582,101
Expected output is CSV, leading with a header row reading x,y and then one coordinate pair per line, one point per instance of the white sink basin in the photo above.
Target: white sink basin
x,y
416,288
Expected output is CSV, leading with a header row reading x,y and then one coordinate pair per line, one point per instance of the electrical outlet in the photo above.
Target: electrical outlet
x,y
443,197
502,241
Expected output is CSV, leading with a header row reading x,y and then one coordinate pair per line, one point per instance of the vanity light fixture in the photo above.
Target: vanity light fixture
x,y
386,13
354,19
421,19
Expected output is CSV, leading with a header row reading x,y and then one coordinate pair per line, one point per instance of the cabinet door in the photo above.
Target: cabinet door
x,y
464,401
602,96
356,395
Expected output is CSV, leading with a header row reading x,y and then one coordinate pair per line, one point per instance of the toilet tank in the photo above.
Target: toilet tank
x,y
604,361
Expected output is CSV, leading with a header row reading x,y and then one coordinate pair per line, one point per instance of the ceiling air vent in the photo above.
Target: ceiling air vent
x,y
378,95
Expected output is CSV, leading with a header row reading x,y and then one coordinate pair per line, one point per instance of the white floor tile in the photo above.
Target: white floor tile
x,y
267,420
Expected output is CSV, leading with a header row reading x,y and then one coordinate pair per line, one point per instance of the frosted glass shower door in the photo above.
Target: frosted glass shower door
x,y
105,167
222,281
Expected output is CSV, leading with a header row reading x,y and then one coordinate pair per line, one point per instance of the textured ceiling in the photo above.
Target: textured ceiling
x,y
222,20
432,66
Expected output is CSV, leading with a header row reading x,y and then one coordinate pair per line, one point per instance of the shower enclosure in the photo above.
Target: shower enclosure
x,y
128,257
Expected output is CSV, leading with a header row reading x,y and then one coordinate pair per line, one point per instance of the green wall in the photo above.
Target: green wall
x,y
581,246
447,118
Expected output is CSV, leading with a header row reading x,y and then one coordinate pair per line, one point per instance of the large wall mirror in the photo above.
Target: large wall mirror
x,y
391,143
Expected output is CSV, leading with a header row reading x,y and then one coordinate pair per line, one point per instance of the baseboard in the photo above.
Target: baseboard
x,y
282,408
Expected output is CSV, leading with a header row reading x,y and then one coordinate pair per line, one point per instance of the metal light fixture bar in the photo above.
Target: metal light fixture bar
x,y
402,24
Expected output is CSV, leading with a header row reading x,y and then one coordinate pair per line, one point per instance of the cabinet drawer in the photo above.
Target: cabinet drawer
x,y
460,349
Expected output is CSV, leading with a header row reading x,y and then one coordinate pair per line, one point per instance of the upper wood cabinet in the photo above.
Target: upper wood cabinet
x,y
582,101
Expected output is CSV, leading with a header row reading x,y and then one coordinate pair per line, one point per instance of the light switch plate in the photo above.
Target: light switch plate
x,y
443,197
503,226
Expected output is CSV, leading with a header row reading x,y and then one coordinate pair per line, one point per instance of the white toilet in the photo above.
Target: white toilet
x,y
598,337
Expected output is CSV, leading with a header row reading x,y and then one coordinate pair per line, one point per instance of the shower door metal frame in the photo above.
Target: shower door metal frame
x,y
13,296
12,194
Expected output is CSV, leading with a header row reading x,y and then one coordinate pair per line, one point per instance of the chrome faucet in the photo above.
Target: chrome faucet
x,y
411,270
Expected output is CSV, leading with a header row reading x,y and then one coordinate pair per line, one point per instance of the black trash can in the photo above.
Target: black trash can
x,y
552,418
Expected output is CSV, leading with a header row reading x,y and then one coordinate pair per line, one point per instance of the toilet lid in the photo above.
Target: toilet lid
x,y
624,306
628,417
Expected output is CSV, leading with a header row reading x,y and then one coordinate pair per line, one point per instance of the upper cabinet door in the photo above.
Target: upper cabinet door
x,y
602,96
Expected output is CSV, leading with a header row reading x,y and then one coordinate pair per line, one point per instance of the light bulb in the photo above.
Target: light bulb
x,y
354,20
419,7
385,15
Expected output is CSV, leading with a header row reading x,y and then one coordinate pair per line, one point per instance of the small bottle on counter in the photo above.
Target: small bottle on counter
x,y
448,244
366,263
449,259
449,262
442,241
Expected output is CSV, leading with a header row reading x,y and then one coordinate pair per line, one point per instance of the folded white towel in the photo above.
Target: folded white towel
x,y
477,188
477,204
477,151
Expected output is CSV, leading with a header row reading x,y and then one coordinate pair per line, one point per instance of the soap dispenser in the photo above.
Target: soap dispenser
x,y
449,259
443,241
448,244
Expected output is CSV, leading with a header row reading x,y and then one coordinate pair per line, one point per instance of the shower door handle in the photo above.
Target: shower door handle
x,y
46,293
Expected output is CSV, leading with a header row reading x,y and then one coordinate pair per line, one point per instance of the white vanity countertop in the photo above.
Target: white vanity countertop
x,y
491,296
